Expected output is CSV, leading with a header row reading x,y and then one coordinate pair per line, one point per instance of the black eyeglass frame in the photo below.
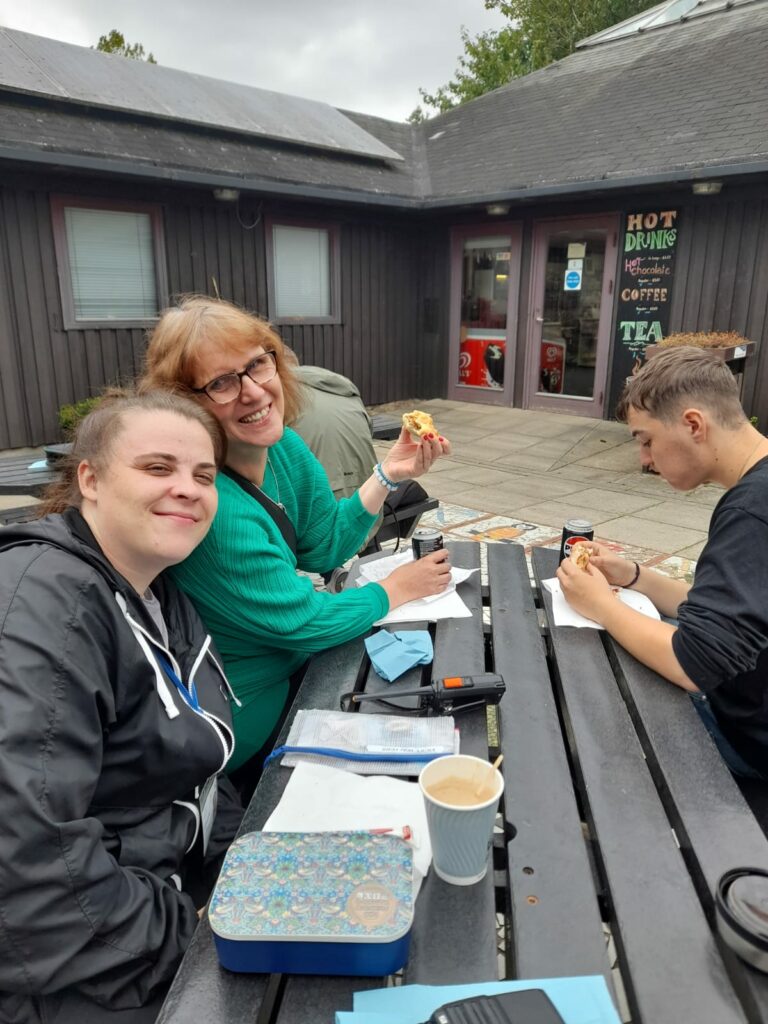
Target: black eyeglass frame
x,y
239,374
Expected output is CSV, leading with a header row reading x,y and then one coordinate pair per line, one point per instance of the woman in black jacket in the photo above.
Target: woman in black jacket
x,y
114,722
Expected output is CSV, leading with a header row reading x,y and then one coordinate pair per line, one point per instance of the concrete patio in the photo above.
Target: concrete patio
x,y
517,476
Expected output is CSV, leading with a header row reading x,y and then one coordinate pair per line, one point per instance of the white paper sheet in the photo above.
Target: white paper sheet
x,y
564,615
447,605
322,799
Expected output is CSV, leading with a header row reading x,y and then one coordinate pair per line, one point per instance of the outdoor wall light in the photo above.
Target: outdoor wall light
x,y
497,209
707,188
226,195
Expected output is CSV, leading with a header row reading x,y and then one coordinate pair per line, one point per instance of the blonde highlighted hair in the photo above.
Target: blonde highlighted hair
x,y
198,323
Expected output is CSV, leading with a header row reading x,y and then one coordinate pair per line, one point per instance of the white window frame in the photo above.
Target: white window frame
x,y
334,272
60,203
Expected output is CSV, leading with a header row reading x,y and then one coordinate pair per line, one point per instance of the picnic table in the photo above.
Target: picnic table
x,y
16,477
618,819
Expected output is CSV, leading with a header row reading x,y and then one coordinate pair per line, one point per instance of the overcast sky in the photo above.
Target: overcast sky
x,y
357,54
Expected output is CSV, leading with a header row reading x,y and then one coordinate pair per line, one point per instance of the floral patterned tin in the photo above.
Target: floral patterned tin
x,y
314,903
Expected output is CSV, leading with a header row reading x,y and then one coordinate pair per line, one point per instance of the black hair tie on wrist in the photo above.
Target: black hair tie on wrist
x,y
635,578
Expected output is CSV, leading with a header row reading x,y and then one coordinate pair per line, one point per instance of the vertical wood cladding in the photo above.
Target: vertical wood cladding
x,y
721,282
393,336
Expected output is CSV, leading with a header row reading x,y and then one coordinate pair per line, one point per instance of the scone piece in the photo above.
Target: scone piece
x,y
418,423
581,555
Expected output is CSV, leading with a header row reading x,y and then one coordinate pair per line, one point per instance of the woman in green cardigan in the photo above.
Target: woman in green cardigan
x,y
276,514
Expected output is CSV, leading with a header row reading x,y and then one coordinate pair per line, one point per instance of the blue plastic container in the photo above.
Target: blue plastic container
x,y
314,903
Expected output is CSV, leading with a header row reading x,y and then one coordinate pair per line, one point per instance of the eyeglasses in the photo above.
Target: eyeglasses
x,y
227,388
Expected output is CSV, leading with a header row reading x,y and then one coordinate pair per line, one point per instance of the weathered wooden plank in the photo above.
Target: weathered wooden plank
x,y
669,959
556,926
454,933
714,825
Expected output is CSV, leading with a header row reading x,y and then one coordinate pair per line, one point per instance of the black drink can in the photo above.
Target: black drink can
x,y
575,530
424,541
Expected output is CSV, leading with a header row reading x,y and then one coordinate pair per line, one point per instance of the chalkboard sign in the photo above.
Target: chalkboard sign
x,y
646,276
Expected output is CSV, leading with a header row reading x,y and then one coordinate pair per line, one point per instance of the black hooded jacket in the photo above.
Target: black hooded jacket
x,y
101,766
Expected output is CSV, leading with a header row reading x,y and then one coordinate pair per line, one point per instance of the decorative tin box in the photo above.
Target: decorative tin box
x,y
314,903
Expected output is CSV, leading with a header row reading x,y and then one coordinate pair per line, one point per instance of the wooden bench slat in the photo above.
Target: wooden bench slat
x,y
561,933
714,825
670,963
454,933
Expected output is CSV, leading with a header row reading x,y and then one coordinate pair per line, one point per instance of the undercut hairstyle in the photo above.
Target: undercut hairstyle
x,y
97,432
683,377
198,324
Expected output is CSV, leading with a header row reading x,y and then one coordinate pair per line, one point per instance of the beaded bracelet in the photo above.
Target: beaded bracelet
x,y
383,479
635,578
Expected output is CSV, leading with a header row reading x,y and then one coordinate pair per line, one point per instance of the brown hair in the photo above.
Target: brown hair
x,y
198,323
98,431
682,376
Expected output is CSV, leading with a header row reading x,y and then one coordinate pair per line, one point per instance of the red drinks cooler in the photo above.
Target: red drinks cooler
x,y
473,370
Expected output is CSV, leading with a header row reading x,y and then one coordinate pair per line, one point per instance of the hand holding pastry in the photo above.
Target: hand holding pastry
x,y
416,449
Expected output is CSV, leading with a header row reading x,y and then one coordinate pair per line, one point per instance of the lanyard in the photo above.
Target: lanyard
x,y
189,695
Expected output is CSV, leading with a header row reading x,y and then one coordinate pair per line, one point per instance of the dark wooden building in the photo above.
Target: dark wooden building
x,y
522,249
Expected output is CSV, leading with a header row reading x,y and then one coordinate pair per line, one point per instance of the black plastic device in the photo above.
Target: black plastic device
x,y
443,694
529,1006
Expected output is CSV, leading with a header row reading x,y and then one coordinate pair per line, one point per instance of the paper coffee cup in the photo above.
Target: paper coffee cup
x,y
461,794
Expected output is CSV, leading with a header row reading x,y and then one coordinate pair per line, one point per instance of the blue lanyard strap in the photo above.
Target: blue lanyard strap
x,y
189,694
348,755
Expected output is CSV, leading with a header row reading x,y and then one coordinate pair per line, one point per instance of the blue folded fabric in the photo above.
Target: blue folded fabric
x,y
392,654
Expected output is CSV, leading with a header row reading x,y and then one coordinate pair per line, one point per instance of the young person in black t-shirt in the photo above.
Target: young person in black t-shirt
x,y
683,407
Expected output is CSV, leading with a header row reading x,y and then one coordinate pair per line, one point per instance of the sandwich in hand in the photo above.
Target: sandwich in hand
x,y
581,555
419,424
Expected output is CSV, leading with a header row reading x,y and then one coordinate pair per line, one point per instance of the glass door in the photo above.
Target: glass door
x,y
485,277
569,334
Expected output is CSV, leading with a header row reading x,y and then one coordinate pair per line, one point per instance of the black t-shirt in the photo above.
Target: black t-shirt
x,y
722,638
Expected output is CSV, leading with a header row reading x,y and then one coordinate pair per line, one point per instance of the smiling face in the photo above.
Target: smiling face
x,y
675,449
154,498
256,417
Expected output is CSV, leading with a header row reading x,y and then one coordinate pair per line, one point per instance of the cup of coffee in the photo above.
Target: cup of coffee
x,y
461,794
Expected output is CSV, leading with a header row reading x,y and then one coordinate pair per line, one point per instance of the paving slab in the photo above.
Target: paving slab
x,y
646,533
555,513
677,513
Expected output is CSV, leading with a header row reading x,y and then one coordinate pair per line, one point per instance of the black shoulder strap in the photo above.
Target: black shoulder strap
x,y
284,524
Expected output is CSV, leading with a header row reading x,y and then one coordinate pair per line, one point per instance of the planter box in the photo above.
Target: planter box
x,y
729,355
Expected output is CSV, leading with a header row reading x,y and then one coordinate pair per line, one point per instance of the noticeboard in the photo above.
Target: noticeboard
x,y
646,277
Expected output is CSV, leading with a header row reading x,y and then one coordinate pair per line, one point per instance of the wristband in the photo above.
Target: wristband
x,y
383,479
635,578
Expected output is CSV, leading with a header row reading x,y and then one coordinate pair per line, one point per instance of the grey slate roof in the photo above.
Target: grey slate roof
x,y
47,67
681,101
675,102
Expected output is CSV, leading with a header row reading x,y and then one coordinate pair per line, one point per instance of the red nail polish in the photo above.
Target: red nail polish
x,y
428,437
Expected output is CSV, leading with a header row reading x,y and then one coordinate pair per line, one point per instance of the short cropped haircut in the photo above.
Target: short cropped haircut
x,y
680,377
198,323
97,432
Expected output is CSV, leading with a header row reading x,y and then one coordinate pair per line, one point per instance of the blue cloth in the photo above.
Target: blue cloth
x,y
392,654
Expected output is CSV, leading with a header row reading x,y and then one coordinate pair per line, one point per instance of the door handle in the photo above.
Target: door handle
x,y
539,319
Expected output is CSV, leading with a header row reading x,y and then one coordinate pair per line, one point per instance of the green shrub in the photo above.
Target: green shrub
x,y
70,415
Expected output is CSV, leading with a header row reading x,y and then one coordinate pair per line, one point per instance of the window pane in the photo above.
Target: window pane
x,y
302,258
112,263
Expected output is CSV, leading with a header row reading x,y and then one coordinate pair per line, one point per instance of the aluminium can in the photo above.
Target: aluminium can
x,y
575,530
424,541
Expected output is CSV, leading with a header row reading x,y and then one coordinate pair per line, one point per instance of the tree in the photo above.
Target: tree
x,y
540,32
115,43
